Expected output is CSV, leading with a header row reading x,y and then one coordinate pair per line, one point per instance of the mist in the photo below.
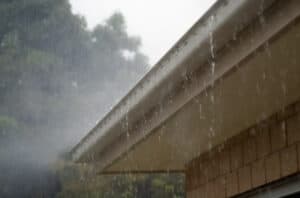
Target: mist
x,y
57,80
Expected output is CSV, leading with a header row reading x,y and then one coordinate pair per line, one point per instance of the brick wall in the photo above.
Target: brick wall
x,y
265,153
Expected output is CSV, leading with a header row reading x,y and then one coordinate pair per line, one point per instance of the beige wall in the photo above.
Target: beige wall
x,y
267,152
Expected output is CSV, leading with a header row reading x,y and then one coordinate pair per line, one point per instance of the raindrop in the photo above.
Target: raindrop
x,y
283,127
205,93
212,98
127,126
212,47
267,49
258,89
212,132
283,87
211,44
213,67
209,145
262,19
200,112
264,75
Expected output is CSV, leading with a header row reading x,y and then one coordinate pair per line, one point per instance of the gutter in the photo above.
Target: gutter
x,y
219,25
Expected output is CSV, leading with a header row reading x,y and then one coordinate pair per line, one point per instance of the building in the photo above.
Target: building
x,y
222,106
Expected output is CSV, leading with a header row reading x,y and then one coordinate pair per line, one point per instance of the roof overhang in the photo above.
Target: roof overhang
x,y
215,82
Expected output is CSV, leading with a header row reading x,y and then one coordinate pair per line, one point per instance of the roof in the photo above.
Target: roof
x,y
194,65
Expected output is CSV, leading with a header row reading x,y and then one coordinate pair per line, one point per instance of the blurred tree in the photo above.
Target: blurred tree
x,y
47,55
55,77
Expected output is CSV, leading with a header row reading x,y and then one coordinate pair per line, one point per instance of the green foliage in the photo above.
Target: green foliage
x,y
88,184
56,75
49,62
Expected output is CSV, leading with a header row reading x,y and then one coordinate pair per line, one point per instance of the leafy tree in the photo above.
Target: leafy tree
x,y
56,79
48,56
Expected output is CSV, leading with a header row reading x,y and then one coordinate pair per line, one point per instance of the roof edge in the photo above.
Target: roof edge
x,y
222,13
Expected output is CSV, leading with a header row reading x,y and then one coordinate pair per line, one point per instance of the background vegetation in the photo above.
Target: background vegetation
x,y
57,78
82,181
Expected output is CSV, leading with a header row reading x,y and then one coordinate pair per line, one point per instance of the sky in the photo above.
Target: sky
x,y
159,23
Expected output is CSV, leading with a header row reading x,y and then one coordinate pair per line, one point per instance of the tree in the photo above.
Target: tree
x,y
48,56
56,79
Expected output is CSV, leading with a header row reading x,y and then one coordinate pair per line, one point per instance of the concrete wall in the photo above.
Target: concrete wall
x,y
266,152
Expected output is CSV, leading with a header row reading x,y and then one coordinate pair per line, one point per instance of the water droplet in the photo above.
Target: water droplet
x,y
212,98
264,75
213,67
267,49
283,87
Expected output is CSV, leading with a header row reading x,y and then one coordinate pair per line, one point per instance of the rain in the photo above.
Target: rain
x,y
149,99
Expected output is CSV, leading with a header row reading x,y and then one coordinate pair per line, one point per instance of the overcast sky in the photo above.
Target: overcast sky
x,y
160,23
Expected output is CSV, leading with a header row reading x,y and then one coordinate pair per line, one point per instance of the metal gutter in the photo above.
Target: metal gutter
x,y
219,25
227,61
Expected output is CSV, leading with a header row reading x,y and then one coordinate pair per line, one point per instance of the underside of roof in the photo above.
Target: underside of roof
x,y
235,67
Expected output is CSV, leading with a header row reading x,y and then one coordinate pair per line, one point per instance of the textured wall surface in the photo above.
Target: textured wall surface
x,y
264,153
